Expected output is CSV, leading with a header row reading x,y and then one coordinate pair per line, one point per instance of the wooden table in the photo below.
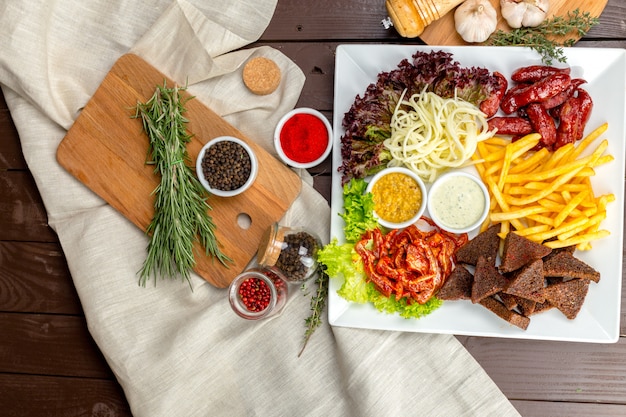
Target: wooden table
x,y
48,360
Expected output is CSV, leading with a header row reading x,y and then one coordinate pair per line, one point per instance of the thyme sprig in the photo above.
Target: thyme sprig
x,y
318,301
180,210
544,39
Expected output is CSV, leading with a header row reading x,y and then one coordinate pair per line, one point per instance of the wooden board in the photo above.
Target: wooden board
x,y
442,31
106,150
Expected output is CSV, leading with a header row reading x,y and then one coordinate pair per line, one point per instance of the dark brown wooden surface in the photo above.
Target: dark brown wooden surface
x,y
49,364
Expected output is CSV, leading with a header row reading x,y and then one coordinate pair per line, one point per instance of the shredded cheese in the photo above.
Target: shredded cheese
x,y
434,134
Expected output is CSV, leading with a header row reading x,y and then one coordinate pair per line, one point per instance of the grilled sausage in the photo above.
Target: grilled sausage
x,y
534,73
534,93
510,125
543,124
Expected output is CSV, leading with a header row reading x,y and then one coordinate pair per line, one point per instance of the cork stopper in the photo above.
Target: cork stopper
x,y
261,75
410,17
270,245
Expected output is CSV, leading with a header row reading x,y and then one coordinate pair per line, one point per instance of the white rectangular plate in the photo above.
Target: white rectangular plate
x,y
598,321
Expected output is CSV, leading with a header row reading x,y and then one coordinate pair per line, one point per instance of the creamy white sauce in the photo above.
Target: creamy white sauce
x,y
458,202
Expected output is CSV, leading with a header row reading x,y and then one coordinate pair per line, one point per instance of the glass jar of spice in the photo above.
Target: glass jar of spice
x,y
258,293
292,250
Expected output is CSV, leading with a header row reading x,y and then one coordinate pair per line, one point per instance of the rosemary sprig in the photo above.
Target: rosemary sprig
x,y
543,38
180,210
318,301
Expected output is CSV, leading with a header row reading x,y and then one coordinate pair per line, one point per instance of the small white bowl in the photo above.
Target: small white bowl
x,y
400,170
292,115
254,167
458,202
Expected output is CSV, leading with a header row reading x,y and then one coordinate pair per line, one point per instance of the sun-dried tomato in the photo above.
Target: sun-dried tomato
x,y
409,263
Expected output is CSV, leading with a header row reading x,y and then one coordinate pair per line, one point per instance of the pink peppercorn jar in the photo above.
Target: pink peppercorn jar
x,y
258,293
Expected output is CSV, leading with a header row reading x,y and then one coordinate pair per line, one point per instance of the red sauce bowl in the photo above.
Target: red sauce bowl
x,y
303,138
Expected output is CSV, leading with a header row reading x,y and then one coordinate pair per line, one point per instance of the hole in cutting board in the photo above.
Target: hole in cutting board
x,y
244,221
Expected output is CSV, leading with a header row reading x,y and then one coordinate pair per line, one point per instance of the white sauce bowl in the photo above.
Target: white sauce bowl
x,y
458,202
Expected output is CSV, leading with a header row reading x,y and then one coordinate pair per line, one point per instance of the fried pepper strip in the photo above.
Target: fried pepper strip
x,y
409,263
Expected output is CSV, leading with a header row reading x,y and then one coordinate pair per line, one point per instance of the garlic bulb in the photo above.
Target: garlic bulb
x,y
529,13
475,20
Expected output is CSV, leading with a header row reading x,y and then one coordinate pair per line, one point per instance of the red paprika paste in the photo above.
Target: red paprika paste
x,y
304,138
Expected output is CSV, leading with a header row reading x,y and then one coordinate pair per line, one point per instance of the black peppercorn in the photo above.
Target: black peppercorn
x,y
297,255
226,165
292,251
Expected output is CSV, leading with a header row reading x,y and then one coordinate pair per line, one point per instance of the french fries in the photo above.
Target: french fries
x,y
545,196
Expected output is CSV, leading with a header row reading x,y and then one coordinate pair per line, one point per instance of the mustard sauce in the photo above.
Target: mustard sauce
x,y
397,197
458,202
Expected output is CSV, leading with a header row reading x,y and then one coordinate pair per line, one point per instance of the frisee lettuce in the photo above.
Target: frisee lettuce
x,y
358,208
342,260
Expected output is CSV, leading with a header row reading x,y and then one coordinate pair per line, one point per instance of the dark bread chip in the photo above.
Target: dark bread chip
x,y
553,280
484,244
487,280
556,251
510,301
458,286
528,282
565,265
531,278
527,307
568,296
500,309
519,251
539,308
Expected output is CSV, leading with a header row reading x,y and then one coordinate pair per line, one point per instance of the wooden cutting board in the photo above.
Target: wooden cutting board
x,y
442,31
106,150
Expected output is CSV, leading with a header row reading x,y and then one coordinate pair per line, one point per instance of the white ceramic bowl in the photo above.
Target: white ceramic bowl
x,y
420,183
458,202
281,151
227,193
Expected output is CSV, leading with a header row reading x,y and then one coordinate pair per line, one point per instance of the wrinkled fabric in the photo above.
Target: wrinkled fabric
x,y
177,352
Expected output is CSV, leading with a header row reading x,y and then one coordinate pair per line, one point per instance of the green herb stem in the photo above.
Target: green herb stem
x,y
318,301
181,215
542,38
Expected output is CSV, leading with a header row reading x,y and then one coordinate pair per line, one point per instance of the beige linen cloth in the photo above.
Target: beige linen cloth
x,y
177,352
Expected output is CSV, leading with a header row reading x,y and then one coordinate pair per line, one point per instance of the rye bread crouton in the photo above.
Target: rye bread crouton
x,y
556,251
527,307
487,280
518,282
500,309
568,296
565,265
539,308
519,251
458,286
486,243
527,282
510,301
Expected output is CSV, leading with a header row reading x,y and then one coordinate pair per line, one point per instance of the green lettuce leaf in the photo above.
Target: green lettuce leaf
x,y
390,305
358,212
341,260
